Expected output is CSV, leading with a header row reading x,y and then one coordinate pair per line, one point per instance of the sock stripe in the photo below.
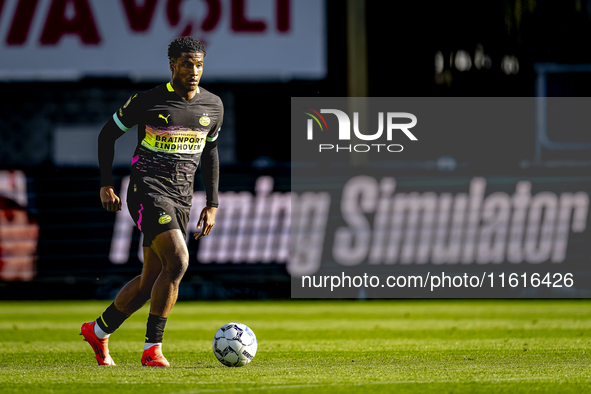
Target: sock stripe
x,y
112,315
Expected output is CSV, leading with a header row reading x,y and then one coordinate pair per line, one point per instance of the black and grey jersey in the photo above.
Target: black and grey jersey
x,y
172,133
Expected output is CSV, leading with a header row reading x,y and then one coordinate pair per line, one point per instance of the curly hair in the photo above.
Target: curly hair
x,y
185,44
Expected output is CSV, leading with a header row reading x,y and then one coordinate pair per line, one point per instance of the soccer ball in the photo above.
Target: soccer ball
x,y
234,345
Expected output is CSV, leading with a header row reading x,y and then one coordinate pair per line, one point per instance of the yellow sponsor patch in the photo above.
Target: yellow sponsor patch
x,y
204,121
179,140
164,219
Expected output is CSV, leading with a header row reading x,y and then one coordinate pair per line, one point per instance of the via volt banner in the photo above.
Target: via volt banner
x,y
245,40
438,197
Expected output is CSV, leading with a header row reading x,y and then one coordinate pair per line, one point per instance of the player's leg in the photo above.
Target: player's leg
x,y
170,246
130,298
138,291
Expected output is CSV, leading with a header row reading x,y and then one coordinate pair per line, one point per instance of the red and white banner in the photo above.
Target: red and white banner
x,y
245,39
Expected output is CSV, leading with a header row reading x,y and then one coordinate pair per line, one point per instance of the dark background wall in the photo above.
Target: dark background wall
x,y
414,49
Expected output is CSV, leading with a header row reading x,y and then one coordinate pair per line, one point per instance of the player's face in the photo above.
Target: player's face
x,y
186,71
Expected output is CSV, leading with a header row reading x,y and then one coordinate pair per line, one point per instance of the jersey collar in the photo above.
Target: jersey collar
x,y
171,89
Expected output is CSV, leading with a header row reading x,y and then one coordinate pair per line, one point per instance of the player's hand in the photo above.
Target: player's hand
x,y
206,221
111,201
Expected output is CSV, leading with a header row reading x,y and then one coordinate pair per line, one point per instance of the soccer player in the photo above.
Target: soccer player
x,y
178,124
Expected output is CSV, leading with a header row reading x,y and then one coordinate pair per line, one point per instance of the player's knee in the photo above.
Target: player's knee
x,y
177,266
182,266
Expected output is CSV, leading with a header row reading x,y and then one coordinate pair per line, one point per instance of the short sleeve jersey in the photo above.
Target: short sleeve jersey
x,y
172,133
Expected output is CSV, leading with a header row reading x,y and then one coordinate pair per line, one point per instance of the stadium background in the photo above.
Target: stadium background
x,y
508,48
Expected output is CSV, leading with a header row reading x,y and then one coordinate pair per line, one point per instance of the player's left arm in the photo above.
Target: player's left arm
x,y
210,170
210,173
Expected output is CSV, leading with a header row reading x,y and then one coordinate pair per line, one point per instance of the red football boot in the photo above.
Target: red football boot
x,y
153,357
100,346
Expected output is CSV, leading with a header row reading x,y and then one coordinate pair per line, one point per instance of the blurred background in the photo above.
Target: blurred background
x,y
67,65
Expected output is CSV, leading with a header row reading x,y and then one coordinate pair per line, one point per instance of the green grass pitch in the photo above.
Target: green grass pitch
x,y
377,346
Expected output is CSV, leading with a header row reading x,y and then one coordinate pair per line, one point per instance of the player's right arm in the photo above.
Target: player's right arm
x,y
116,126
106,153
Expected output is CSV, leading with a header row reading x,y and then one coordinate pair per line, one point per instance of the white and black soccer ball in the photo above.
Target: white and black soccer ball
x,y
235,345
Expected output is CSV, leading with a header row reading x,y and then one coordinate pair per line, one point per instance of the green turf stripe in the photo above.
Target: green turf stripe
x,y
474,346
336,324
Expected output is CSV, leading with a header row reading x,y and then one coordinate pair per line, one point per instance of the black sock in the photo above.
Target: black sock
x,y
111,319
155,328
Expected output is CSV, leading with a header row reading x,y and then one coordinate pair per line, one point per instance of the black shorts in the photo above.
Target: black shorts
x,y
154,214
